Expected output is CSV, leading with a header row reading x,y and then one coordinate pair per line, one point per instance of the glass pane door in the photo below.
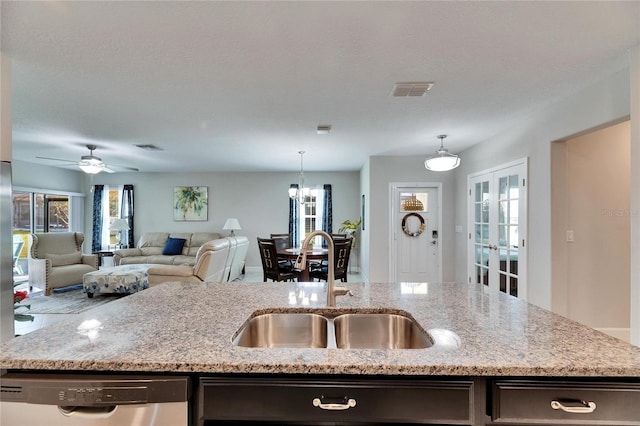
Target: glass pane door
x,y
497,224
481,221
508,212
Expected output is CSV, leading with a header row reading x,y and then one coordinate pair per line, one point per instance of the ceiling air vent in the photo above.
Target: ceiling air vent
x,y
416,88
150,147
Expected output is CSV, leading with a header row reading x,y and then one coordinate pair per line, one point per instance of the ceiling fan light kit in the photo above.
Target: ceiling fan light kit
x,y
90,166
443,160
90,163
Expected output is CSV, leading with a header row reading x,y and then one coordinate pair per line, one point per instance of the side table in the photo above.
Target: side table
x,y
101,254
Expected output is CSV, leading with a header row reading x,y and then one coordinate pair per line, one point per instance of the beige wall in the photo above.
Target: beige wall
x,y
259,200
591,198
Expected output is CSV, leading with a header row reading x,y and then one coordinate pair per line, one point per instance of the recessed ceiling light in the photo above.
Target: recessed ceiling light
x,y
324,129
415,88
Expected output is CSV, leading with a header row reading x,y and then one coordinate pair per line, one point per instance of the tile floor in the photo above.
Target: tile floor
x,y
43,320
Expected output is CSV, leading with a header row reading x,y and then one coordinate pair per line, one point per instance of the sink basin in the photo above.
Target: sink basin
x,y
284,330
364,330
379,331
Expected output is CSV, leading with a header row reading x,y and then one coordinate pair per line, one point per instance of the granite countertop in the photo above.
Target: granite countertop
x,y
188,327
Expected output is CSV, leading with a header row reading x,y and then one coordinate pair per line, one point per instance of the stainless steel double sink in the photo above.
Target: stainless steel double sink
x,y
350,330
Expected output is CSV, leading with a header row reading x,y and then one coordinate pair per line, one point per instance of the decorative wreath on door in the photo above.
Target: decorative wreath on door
x,y
408,231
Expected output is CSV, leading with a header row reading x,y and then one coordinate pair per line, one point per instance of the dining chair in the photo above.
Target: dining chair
x,y
341,253
321,263
271,268
283,241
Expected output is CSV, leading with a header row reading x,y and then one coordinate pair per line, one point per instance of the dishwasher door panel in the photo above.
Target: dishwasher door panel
x,y
152,414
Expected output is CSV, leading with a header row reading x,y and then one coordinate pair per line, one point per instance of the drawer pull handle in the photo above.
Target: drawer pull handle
x,y
574,406
343,405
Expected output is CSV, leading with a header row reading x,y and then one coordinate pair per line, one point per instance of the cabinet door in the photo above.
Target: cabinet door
x,y
310,400
570,403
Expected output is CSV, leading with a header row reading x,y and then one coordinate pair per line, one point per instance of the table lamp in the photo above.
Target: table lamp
x,y
119,225
232,224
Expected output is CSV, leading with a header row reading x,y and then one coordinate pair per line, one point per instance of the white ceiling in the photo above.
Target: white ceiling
x,y
241,86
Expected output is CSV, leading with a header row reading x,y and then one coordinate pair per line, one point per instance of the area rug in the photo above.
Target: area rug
x,y
70,301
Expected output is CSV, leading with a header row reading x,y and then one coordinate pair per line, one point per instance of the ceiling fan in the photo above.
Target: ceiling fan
x,y
91,164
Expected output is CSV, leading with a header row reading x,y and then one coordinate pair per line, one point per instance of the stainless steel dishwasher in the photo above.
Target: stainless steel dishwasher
x,y
88,400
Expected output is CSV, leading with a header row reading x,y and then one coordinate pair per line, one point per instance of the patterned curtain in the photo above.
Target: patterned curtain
x,y
96,241
327,212
126,212
294,219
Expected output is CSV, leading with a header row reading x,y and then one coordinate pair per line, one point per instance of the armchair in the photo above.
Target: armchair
x,y
56,260
211,265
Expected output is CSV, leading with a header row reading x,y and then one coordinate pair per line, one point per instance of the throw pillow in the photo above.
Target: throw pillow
x,y
64,259
173,246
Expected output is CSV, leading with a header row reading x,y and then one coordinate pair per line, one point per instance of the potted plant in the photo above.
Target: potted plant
x,y
349,227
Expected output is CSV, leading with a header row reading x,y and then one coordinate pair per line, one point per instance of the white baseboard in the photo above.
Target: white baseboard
x,y
619,333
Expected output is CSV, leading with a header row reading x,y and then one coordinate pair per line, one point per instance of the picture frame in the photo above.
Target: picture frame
x,y
363,221
190,203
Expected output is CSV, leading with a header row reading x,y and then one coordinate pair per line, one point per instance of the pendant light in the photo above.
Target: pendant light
x,y
299,193
443,160
412,204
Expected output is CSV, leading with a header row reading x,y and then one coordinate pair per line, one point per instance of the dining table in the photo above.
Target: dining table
x,y
313,255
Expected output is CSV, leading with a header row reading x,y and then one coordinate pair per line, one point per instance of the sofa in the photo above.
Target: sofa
x,y
152,245
218,260
56,260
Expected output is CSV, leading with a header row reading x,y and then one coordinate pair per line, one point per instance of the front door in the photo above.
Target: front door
x,y
415,248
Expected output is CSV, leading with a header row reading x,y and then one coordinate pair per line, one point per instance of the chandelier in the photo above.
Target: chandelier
x,y
300,193
442,161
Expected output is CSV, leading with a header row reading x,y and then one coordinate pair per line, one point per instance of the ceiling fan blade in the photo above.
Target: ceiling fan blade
x,y
107,169
58,159
132,169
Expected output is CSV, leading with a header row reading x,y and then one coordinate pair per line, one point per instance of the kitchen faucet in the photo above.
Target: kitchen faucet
x,y
301,264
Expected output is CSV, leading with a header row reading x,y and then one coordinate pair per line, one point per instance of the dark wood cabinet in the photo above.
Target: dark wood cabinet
x,y
565,402
329,401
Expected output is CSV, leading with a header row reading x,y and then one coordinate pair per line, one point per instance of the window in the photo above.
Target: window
x,y
40,211
111,208
311,215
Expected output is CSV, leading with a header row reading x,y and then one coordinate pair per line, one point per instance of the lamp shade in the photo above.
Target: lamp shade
x,y
119,225
442,162
232,224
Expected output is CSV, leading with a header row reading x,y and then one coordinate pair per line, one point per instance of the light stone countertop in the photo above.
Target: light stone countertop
x,y
180,327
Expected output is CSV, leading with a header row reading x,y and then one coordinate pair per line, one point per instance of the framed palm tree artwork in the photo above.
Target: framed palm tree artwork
x,y
190,203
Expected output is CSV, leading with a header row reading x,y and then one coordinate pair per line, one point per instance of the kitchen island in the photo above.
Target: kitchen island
x,y
488,349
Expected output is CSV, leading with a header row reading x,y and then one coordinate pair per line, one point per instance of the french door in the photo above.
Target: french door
x,y
497,229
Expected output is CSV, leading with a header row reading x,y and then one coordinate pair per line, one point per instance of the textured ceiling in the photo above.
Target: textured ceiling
x,y
242,86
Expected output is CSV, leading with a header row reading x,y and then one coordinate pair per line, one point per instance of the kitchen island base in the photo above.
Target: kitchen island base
x,y
476,401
